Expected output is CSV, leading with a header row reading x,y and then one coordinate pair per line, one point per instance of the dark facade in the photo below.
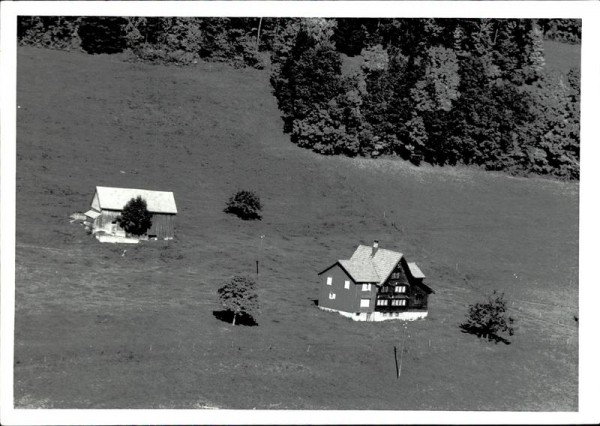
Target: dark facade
x,y
401,292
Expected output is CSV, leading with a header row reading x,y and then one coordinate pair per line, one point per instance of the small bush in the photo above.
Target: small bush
x,y
488,319
244,204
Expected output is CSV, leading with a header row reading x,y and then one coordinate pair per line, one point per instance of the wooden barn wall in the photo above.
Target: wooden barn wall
x,y
163,225
106,218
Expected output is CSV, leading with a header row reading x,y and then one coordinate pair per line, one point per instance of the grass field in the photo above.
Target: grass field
x,y
96,329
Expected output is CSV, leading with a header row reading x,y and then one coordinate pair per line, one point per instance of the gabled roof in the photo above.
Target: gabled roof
x,y
383,262
116,198
364,267
360,271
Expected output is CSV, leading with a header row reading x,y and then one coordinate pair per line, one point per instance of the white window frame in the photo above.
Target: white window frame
x,y
382,302
366,287
347,284
401,287
398,302
331,296
365,303
329,280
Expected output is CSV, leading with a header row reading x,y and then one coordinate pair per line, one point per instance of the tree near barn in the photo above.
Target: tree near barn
x,y
240,298
135,218
244,204
489,319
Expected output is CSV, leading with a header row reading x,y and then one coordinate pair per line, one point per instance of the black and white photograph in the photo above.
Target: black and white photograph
x,y
376,212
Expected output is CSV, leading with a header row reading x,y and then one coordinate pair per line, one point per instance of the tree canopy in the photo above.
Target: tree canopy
x,y
489,319
135,218
239,297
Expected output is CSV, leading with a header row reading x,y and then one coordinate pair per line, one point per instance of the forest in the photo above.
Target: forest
x,y
440,91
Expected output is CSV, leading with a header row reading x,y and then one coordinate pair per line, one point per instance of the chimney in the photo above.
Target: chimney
x,y
375,247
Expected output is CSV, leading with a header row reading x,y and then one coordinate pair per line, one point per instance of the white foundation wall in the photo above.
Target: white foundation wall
x,y
379,316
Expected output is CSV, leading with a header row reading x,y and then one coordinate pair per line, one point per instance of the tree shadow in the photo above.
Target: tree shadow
x,y
491,337
241,319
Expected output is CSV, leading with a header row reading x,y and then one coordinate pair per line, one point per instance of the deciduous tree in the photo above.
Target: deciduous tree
x,y
488,319
135,218
239,297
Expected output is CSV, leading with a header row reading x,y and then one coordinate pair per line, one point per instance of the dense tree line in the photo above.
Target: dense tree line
x,y
443,91
179,40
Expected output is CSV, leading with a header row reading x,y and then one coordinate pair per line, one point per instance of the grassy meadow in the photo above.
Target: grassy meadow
x,y
100,328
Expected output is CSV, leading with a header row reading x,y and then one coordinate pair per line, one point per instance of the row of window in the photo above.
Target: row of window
x,y
395,302
367,287
364,303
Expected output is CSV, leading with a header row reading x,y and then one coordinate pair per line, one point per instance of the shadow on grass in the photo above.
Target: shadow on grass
x,y
315,301
227,316
479,333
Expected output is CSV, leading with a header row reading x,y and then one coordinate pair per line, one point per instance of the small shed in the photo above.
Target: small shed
x,y
108,203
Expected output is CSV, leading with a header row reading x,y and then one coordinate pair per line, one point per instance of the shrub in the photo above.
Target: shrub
x,y
487,319
239,297
244,204
135,218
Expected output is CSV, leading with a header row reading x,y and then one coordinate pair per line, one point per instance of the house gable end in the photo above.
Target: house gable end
x,y
348,274
96,202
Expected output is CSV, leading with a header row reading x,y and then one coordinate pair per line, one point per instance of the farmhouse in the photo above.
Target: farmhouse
x,y
374,285
108,203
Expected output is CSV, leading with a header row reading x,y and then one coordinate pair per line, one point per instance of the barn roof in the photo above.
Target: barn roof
x,y
116,198
92,213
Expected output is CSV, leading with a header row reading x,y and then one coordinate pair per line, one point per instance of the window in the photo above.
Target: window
x,y
364,303
382,302
400,289
346,284
329,280
399,302
332,295
395,275
366,287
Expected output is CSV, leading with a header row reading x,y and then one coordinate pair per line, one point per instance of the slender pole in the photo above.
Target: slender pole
x,y
258,34
402,352
396,359
257,267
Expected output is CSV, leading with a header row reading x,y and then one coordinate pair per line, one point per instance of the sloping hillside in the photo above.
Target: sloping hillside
x,y
97,327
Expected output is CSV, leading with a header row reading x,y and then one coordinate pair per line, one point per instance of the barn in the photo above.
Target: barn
x,y
108,203
374,285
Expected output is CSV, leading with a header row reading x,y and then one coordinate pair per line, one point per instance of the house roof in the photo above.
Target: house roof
x,y
383,262
364,267
360,271
116,198
415,271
